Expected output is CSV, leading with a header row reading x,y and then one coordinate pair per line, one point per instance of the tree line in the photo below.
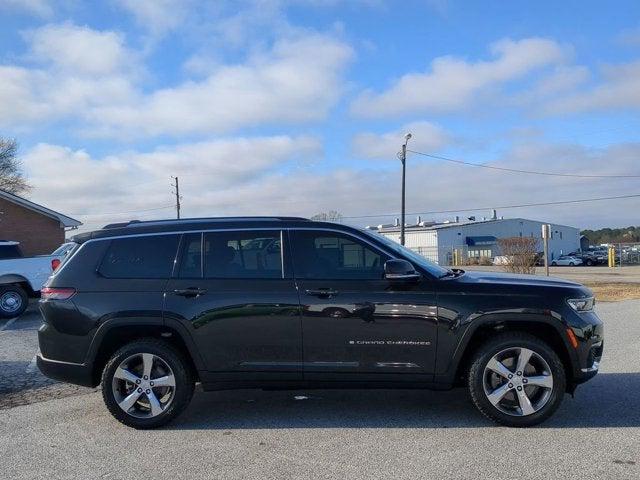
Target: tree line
x,y
613,235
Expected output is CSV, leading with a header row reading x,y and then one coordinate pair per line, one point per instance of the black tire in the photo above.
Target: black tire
x,y
571,264
183,390
554,264
590,263
13,293
503,342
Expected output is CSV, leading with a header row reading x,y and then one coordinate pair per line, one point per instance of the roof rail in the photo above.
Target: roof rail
x,y
133,223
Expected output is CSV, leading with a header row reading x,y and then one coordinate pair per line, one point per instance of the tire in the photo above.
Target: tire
x,y
543,401
13,301
571,264
590,263
166,363
554,264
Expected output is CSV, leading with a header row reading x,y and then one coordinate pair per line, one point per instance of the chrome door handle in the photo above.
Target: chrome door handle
x,y
322,292
190,292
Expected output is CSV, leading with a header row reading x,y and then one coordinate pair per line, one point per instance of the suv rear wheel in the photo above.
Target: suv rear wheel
x,y
517,380
147,383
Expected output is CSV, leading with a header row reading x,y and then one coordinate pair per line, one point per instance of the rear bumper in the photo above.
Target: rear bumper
x,y
76,373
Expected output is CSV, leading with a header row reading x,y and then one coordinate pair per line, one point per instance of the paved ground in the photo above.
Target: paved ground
x,y
587,275
333,434
20,380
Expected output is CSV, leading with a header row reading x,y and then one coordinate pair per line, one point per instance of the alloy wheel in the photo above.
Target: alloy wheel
x,y
518,381
143,385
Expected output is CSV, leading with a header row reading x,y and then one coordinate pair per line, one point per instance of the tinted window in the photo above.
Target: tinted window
x,y
191,256
10,251
242,254
140,257
335,256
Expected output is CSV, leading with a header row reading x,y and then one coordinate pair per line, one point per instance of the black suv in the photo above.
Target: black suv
x,y
151,308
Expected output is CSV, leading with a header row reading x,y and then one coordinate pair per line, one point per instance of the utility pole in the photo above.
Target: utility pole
x,y
177,187
403,159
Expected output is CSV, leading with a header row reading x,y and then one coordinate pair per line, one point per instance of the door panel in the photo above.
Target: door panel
x,y
353,320
246,320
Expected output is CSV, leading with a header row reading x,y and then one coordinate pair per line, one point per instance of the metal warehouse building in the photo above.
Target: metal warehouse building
x,y
479,238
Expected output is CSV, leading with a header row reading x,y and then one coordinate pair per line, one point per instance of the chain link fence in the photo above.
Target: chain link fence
x,y
622,254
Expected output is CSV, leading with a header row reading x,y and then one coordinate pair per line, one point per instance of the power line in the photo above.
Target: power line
x,y
502,207
515,170
121,212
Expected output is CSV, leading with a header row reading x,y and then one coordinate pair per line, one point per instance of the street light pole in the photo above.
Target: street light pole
x,y
403,159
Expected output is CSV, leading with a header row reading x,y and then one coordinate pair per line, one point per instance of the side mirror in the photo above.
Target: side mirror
x,y
400,270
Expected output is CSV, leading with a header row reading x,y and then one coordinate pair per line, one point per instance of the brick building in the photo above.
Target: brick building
x,y
38,229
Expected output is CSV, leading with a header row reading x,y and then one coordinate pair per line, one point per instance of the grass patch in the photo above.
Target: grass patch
x,y
615,292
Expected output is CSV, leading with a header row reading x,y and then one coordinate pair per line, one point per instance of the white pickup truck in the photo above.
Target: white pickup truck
x,y
22,277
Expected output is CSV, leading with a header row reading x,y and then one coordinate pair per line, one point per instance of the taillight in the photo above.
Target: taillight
x,y
51,293
55,263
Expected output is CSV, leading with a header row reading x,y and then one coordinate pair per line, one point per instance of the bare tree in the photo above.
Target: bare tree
x,y
520,254
12,179
330,216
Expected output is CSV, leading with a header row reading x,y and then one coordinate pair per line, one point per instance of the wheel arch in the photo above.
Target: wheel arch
x,y
542,328
115,333
16,279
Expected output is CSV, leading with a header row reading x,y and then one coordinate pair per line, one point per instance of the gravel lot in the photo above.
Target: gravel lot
x,y
326,434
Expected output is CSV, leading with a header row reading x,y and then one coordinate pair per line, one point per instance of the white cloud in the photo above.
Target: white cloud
x,y
92,76
427,137
140,180
298,80
561,79
39,8
79,50
157,16
452,83
78,69
619,90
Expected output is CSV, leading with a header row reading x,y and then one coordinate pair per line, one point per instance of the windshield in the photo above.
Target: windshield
x,y
417,259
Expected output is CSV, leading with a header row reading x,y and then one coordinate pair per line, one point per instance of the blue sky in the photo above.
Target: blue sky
x,y
299,106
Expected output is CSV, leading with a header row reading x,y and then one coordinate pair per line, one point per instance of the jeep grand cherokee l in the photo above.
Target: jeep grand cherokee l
x,y
150,308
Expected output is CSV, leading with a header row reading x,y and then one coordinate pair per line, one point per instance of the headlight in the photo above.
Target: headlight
x,y
582,304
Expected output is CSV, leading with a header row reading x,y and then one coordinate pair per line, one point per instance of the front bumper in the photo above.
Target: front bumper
x,y
589,332
77,373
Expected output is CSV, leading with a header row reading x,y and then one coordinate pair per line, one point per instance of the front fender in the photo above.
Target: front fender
x,y
458,339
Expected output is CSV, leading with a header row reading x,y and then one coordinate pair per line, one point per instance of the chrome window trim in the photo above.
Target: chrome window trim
x,y
237,229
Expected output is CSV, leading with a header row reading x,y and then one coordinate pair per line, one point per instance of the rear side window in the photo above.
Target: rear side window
x,y
243,254
10,251
140,257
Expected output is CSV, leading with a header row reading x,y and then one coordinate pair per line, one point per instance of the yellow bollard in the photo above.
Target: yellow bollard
x,y
612,257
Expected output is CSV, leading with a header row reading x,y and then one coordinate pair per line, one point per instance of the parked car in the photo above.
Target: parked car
x,y
150,308
591,257
22,277
566,260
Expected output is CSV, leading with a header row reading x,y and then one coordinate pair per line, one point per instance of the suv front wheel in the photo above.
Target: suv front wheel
x,y
517,380
147,383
